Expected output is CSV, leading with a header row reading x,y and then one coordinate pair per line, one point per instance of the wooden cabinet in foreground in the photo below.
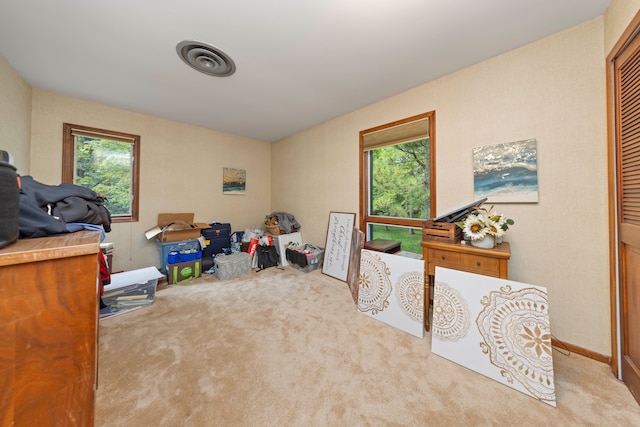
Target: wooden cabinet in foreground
x,y
48,325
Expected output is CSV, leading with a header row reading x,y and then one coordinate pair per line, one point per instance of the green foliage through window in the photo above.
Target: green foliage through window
x,y
400,176
105,166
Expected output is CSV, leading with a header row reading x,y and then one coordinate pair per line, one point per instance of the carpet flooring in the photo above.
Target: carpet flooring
x,y
285,348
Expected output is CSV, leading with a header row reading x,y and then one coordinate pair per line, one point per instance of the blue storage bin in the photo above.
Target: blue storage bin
x,y
183,247
185,255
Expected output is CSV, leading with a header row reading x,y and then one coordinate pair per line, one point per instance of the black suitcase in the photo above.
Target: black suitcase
x,y
217,229
217,238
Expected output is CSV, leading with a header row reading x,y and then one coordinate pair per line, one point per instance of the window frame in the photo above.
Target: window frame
x,y
365,216
68,161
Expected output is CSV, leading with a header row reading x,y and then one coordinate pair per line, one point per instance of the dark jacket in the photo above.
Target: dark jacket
x,y
47,209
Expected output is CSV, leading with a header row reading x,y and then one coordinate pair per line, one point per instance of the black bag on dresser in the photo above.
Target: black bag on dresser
x,y
10,203
217,238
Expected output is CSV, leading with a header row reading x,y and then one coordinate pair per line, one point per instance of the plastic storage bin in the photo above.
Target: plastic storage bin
x,y
131,289
305,258
180,246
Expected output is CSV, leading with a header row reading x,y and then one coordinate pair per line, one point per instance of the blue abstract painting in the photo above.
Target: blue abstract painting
x,y
506,173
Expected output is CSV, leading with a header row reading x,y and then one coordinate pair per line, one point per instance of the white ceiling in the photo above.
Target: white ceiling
x,y
299,62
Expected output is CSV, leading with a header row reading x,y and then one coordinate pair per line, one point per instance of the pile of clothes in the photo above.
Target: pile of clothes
x,y
53,209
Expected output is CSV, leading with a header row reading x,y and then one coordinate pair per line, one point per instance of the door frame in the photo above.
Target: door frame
x,y
627,36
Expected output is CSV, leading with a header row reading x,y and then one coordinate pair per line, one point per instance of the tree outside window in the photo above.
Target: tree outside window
x,y
400,180
105,162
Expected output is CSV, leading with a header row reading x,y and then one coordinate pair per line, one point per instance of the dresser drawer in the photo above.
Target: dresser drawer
x,y
485,265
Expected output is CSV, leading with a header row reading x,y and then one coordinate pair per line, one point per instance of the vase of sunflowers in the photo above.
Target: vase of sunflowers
x,y
485,227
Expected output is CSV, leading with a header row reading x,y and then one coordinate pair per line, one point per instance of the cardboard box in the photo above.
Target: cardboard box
x,y
173,227
184,271
130,290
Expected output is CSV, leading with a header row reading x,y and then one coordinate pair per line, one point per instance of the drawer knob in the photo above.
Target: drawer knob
x,y
442,257
478,263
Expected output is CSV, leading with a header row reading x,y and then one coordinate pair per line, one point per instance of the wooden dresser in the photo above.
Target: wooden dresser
x,y
488,262
49,330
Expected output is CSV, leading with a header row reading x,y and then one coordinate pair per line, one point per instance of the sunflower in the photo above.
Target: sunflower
x,y
494,228
502,221
474,227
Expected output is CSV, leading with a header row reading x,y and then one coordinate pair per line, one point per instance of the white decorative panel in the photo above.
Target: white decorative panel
x,y
496,327
391,289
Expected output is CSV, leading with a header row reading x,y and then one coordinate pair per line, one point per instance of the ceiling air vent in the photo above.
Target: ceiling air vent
x,y
206,58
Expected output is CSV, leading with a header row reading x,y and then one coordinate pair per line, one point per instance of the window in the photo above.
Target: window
x,y
107,163
397,180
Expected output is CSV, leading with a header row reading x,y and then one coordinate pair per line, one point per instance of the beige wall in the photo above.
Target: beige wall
x,y
181,169
617,17
551,90
15,116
